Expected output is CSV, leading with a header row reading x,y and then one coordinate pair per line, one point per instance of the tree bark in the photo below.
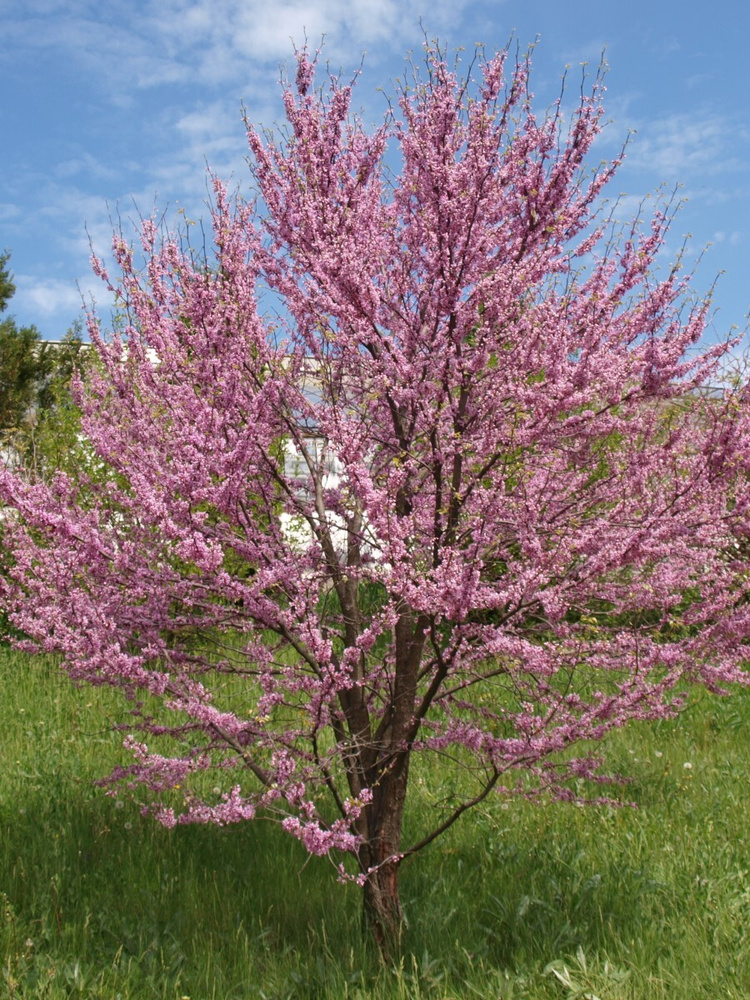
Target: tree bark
x,y
383,915
380,861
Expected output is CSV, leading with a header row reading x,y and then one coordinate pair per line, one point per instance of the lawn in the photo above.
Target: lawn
x,y
519,900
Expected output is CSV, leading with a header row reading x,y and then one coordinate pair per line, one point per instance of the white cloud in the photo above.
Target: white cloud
x,y
591,53
670,45
733,238
205,122
8,211
684,144
86,164
211,132
52,296
624,208
214,41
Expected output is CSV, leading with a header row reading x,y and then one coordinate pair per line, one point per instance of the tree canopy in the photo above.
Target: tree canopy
x,y
459,498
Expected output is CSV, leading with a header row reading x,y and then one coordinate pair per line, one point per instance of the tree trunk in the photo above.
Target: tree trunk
x,y
380,860
387,777
382,909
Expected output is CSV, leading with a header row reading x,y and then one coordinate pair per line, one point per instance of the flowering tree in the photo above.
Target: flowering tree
x,y
457,496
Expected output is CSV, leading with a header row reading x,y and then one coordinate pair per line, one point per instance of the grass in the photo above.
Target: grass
x,y
519,901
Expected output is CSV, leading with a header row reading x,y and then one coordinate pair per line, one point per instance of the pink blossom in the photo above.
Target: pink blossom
x,y
461,494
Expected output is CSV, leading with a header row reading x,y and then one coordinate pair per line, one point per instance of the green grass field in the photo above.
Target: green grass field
x,y
519,900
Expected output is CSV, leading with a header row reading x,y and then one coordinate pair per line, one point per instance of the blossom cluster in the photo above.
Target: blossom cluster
x,y
460,495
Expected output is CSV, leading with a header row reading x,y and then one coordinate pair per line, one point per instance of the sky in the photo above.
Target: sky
x,y
114,110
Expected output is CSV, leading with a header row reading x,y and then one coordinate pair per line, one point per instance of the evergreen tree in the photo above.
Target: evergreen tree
x,y
38,419
22,365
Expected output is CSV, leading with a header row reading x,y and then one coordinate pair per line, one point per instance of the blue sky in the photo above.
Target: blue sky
x,y
112,108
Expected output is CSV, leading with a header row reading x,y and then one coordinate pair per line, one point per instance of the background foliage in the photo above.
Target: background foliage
x,y
39,423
